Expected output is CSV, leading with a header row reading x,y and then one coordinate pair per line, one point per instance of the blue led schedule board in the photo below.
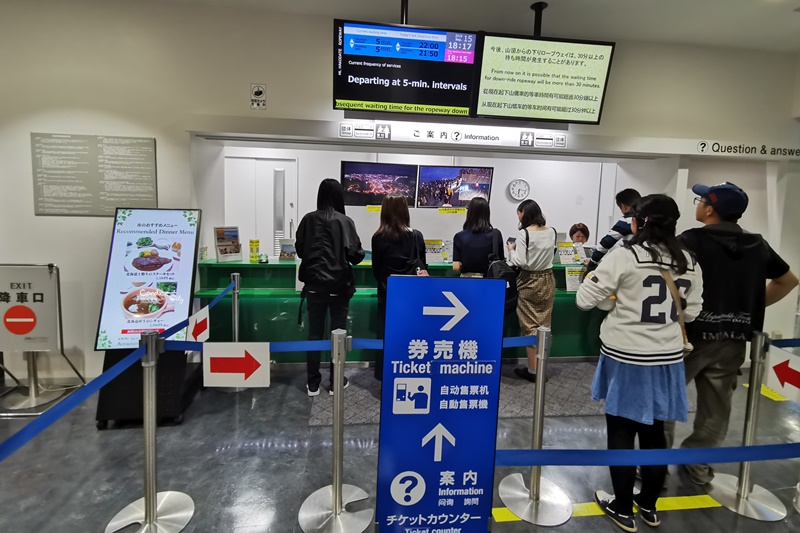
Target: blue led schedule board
x,y
403,69
439,404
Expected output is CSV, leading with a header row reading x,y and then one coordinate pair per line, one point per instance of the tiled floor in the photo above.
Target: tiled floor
x,y
250,459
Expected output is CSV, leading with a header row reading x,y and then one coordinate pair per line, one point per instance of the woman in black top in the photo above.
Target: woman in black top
x,y
396,250
473,246
328,244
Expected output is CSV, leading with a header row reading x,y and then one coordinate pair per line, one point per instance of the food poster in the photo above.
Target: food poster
x,y
150,275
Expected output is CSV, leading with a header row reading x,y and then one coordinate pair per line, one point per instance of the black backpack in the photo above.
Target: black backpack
x,y
499,269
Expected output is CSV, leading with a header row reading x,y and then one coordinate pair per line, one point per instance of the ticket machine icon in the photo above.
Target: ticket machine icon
x,y
412,396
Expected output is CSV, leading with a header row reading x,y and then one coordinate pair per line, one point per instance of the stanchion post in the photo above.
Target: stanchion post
x,y
545,504
15,401
157,512
738,495
236,278
325,510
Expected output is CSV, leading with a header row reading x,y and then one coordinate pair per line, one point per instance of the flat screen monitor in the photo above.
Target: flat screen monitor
x,y
543,79
368,183
452,186
403,69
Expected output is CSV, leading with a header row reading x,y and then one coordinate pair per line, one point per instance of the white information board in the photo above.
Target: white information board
x,y
29,308
150,276
543,79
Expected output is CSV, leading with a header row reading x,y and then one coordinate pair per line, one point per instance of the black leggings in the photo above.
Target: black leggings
x,y
621,436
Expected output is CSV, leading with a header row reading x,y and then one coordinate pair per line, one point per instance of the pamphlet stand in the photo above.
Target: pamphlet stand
x,y
236,279
545,504
157,512
34,395
736,494
325,510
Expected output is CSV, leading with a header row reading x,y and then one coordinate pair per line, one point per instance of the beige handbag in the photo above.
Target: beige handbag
x,y
676,297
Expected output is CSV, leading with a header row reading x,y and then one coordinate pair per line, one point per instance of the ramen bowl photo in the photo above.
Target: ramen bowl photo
x,y
146,303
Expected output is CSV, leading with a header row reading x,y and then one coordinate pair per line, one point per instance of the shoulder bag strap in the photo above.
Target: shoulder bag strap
x,y
495,243
676,297
527,243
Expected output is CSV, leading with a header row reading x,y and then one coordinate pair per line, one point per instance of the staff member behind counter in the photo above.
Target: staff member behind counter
x,y
473,246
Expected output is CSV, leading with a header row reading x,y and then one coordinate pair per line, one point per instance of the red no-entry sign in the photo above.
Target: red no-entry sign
x,y
20,320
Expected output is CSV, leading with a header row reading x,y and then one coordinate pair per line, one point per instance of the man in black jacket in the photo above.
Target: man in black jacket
x,y
736,266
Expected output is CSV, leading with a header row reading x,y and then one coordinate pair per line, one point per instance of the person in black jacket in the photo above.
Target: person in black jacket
x,y
736,266
328,244
473,246
396,250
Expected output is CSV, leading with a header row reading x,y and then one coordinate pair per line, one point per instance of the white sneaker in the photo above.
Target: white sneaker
x,y
346,384
312,392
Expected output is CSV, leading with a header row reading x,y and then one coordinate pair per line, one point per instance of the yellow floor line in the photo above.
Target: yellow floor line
x,y
674,503
772,394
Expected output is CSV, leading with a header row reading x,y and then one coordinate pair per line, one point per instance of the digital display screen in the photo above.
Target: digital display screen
x,y
368,183
403,69
538,79
150,276
452,186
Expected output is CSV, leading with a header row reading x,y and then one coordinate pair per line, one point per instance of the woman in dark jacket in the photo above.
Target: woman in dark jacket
x,y
396,249
328,244
473,246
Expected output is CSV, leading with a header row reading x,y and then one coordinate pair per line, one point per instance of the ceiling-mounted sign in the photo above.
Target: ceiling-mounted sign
x,y
403,69
28,308
258,96
92,175
543,79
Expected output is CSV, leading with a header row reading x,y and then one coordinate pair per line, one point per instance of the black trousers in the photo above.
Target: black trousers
x,y
622,434
319,305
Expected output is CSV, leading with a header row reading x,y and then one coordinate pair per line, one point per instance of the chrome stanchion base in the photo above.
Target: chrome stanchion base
x,y
21,399
173,511
797,498
761,505
316,513
552,509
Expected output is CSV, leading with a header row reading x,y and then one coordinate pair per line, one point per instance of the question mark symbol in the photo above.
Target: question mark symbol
x,y
702,146
410,483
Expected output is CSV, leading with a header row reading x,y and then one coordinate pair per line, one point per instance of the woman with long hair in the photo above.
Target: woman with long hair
x,y
396,250
641,373
477,242
533,253
327,244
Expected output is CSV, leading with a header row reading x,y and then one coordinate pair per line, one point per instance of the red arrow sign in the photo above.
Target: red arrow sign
x,y
786,374
246,365
199,327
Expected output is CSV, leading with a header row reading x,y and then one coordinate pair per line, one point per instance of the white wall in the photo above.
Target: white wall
x,y
796,107
143,68
566,190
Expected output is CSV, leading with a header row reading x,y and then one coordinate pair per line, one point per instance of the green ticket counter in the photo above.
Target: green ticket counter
x,y
269,303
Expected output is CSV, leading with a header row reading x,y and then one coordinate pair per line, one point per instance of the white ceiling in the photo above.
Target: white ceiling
x,y
772,25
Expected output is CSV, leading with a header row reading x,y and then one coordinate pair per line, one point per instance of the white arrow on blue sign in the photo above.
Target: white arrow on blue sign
x,y
441,381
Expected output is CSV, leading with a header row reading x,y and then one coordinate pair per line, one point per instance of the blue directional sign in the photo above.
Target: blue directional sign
x,y
441,382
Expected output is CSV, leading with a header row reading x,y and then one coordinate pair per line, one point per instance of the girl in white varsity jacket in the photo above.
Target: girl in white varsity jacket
x,y
641,374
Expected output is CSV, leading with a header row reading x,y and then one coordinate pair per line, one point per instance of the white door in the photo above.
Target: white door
x,y
261,199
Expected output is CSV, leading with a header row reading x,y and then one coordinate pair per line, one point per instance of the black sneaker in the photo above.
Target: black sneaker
x,y
649,516
524,374
346,384
313,390
604,500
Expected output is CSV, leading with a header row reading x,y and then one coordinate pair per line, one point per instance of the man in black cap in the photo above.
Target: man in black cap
x,y
736,266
